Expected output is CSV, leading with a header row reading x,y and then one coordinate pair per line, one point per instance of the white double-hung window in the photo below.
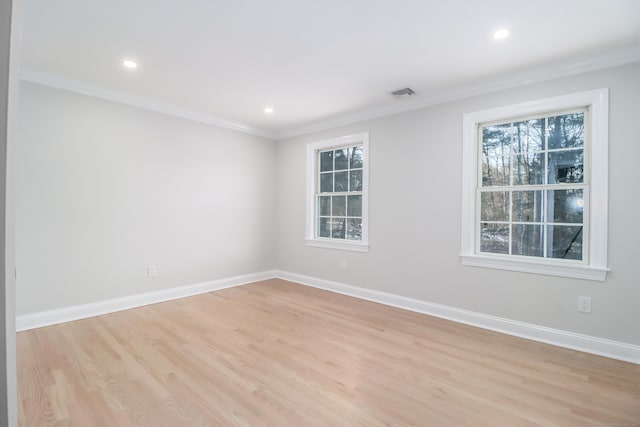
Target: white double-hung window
x,y
337,193
535,187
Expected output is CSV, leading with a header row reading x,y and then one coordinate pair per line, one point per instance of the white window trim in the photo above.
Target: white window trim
x,y
312,149
596,268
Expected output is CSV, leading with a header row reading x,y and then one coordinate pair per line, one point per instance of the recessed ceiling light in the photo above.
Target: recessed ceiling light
x,y
268,110
501,34
128,63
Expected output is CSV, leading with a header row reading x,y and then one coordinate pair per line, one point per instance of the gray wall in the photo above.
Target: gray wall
x,y
104,190
415,184
9,46
5,43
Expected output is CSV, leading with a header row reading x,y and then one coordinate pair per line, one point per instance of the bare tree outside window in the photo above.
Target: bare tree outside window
x,y
339,196
532,192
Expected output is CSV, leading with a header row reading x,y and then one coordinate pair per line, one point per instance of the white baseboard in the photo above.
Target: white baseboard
x,y
67,314
600,346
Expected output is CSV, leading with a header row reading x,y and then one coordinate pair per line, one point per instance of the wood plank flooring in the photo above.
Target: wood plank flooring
x,y
280,354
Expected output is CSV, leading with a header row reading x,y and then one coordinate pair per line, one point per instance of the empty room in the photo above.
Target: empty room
x,y
320,213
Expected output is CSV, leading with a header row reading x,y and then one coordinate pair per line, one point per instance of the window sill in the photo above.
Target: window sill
x,y
576,271
344,246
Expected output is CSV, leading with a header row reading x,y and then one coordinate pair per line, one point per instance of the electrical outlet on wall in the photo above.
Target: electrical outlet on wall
x,y
343,265
152,271
584,304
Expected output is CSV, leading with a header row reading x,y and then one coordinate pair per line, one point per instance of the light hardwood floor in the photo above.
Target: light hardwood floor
x,y
279,354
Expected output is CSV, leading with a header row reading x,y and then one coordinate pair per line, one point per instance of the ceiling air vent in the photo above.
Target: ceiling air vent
x,y
403,92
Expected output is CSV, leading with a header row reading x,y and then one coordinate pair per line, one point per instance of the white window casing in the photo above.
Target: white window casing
x,y
311,225
594,266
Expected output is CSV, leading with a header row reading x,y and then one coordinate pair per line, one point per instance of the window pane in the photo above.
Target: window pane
x,y
527,206
324,227
564,242
528,169
566,166
326,161
356,157
354,206
324,205
339,206
354,229
341,159
565,205
494,238
496,153
527,240
528,136
566,131
337,228
494,206
356,180
326,182
341,181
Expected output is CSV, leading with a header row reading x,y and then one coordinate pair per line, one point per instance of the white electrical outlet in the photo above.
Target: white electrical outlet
x,y
343,265
152,271
584,304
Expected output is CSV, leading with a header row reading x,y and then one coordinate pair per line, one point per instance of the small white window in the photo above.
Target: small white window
x,y
535,187
337,193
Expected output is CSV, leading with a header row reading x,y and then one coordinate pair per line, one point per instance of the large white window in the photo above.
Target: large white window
x,y
535,186
337,193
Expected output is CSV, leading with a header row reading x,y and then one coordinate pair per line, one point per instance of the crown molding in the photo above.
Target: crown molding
x,y
565,68
32,75
556,70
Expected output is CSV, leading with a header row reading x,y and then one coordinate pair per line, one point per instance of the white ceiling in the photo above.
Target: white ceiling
x,y
317,62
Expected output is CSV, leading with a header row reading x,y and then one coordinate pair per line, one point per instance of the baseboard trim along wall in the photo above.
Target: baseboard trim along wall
x,y
67,314
600,346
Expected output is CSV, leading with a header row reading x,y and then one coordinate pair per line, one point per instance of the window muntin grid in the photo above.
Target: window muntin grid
x,y
338,197
533,193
